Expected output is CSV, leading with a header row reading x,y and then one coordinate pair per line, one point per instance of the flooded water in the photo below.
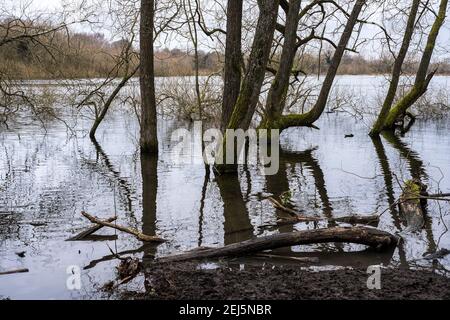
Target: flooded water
x,y
48,178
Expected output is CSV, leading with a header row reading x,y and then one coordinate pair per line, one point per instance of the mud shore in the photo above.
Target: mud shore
x,y
187,281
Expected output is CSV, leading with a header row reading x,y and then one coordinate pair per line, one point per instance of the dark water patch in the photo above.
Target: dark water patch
x,y
50,178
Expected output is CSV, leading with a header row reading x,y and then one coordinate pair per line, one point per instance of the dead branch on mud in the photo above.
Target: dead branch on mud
x,y
134,232
359,235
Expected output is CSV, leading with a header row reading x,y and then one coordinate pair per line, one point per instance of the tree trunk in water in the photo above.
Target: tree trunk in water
x,y
108,103
233,59
148,139
397,69
359,235
278,90
422,78
308,119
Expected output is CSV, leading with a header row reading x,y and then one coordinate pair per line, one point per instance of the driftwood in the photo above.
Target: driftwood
x,y
13,271
91,230
411,205
134,232
359,235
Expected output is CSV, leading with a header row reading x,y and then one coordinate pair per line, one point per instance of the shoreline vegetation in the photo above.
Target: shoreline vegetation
x,y
180,64
88,56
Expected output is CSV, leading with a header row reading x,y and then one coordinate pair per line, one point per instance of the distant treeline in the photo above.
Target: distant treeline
x,y
64,54
88,55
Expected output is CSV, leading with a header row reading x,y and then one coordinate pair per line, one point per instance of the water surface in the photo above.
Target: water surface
x,y
48,178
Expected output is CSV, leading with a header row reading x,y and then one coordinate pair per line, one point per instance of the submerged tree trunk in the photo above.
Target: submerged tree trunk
x,y
148,139
397,69
233,59
308,119
422,78
360,235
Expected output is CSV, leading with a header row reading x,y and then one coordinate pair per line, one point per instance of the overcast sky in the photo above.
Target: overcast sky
x,y
442,50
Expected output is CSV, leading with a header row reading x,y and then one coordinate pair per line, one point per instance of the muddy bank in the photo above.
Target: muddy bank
x,y
186,281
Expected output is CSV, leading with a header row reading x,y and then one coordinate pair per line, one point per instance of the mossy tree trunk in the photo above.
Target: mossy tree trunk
x,y
307,119
233,60
277,94
423,78
148,139
397,69
252,81
245,106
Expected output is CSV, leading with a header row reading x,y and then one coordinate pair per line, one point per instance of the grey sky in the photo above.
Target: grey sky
x,y
371,50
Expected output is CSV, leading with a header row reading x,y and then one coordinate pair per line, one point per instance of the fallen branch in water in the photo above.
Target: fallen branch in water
x,y
411,206
296,217
367,220
430,198
14,271
297,259
279,206
359,235
134,232
90,230
439,195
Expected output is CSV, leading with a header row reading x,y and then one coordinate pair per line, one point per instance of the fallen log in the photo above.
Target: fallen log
x,y
82,235
359,235
411,206
13,271
134,232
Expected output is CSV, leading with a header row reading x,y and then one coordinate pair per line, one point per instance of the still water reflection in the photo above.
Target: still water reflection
x,y
47,179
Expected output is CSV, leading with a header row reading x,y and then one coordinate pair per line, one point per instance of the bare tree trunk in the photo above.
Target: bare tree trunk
x,y
245,106
423,78
149,139
193,34
233,59
397,69
360,235
254,75
278,90
105,108
308,119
